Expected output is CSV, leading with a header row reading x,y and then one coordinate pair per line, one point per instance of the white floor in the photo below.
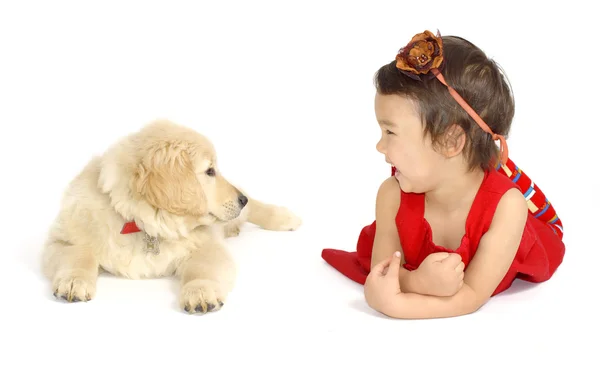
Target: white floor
x,y
74,79
290,318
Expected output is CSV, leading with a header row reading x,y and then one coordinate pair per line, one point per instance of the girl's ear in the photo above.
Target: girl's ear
x,y
454,141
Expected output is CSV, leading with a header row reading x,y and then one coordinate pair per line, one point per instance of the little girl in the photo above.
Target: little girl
x,y
458,221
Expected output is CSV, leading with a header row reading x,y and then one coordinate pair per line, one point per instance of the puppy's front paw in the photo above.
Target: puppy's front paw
x,y
201,296
74,286
232,230
285,220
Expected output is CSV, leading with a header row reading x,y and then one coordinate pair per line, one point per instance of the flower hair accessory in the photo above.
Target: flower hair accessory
x,y
423,57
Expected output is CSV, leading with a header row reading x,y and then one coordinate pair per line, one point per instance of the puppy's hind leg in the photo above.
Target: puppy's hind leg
x,y
72,269
271,217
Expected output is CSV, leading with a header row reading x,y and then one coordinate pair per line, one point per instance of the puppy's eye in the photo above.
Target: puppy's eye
x,y
210,172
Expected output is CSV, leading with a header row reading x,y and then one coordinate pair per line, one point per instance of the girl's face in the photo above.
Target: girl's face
x,y
404,145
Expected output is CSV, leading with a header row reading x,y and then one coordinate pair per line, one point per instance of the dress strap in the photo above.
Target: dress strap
x,y
410,222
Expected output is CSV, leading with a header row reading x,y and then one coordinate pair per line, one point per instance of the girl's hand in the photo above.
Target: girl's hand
x,y
382,284
441,274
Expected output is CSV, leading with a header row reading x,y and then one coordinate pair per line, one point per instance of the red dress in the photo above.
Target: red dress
x,y
539,254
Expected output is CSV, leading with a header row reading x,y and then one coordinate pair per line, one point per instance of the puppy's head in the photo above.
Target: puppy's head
x,y
177,173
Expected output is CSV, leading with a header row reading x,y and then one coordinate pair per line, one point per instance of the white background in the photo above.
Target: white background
x,y
284,90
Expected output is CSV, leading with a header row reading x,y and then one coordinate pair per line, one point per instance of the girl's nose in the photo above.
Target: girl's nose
x,y
379,147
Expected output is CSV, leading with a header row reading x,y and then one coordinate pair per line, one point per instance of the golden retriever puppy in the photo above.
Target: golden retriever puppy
x,y
154,205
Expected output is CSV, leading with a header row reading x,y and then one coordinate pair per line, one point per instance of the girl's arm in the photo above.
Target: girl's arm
x,y
386,240
488,267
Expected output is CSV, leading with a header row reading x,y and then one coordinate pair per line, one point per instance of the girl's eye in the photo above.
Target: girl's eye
x,y
210,171
388,132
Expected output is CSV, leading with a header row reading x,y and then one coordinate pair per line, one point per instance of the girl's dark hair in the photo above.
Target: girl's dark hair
x,y
478,80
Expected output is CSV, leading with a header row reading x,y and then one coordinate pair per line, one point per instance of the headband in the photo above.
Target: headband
x,y
423,55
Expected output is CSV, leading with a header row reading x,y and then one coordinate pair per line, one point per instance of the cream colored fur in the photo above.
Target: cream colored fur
x,y
161,178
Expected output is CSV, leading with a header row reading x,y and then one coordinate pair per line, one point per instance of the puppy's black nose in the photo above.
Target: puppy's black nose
x,y
243,200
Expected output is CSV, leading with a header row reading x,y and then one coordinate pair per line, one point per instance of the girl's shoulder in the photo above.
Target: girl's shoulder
x,y
389,191
496,194
496,183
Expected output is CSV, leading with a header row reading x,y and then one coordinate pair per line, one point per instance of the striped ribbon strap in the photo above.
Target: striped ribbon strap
x,y
539,205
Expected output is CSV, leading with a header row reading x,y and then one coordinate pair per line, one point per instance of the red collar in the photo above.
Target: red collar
x,y
129,228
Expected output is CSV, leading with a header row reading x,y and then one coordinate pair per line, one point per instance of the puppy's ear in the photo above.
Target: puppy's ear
x,y
166,179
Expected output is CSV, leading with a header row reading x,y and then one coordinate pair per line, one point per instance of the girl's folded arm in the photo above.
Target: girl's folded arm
x,y
486,270
387,241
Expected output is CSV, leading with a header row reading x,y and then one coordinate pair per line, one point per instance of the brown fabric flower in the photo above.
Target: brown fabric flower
x,y
423,53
